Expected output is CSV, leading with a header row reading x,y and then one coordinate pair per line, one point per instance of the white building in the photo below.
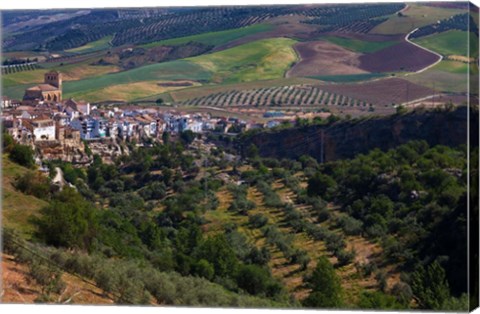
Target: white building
x,y
43,129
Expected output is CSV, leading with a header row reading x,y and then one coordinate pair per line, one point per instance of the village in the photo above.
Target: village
x,y
60,129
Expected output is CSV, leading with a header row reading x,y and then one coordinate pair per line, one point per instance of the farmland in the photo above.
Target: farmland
x,y
400,57
381,92
175,70
100,44
293,95
452,42
128,92
260,60
214,38
357,45
415,15
324,58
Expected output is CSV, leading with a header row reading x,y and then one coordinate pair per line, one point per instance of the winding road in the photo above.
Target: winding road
x,y
440,57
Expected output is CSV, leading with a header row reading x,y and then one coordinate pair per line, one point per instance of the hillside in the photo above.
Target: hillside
x,y
17,207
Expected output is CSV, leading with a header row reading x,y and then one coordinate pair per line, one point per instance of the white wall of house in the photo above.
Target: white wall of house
x,y
44,133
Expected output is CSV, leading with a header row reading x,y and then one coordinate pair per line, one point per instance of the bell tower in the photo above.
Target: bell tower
x,y
53,78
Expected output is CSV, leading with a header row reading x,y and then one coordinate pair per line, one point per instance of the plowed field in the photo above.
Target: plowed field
x,y
325,58
401,57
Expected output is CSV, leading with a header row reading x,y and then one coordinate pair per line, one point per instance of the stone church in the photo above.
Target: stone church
x,y
50,90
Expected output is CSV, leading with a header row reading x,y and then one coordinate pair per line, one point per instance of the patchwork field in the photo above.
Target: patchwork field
x,y
452,42
415,15
175,70
400,57
324,58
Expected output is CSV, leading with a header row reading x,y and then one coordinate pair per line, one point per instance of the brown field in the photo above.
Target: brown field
x,y
381,92
325,58
401,57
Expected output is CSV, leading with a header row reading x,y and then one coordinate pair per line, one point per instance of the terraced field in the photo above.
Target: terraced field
x,y
279,228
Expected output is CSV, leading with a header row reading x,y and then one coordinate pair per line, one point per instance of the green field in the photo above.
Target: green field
x,y
259,60
348,78
102,43
416,15
214,38
453,42
359,45
452,67
447,76
175,70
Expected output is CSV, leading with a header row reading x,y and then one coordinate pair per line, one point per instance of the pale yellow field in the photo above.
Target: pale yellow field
x,y
127,92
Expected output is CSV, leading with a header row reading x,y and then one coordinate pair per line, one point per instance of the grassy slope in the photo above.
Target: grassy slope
x,y
102,43
214,38
259,60
17,208
453,42
359,45
417,15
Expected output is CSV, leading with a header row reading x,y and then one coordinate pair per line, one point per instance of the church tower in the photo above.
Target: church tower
x,y
53,78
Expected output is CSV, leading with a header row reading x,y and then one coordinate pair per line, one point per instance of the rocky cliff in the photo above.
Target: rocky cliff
x,y
346,139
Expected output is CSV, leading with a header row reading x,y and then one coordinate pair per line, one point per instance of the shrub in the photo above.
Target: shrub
x,y
22,155
257,220
344,257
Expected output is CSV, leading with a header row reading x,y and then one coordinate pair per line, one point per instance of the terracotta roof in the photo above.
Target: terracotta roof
x,y
43,88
